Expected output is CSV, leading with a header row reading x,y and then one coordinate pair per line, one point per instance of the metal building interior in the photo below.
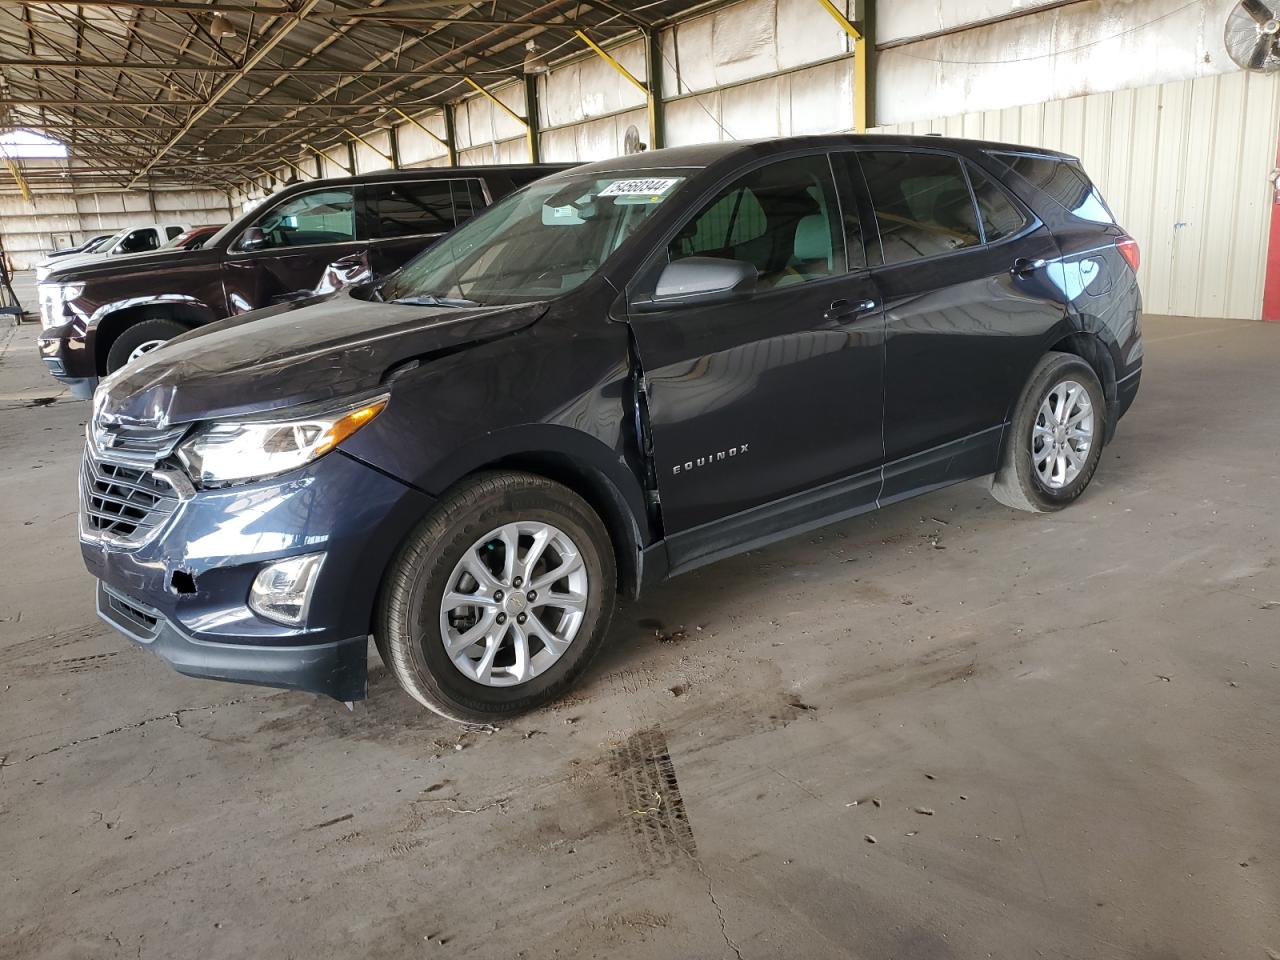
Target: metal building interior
x,y
939,730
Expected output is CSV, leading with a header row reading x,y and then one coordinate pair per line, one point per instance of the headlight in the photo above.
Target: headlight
x,y
230,451
69,291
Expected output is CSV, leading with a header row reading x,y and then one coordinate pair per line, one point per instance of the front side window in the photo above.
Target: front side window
x,y
411,209
922,204
538,243
325,216
139,241
782,218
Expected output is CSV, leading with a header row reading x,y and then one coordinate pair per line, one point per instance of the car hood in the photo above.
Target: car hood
x,y
290,354
90,266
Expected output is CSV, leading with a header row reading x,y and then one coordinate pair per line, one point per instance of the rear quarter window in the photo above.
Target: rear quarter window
x,y
1063,181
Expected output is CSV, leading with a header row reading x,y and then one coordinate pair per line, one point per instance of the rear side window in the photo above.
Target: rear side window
x,y
468,199
783,218
922,204
1062,181
171,232
1000,216
413,208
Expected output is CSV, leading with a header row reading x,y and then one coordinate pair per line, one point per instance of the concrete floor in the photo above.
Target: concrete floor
x,y
1062,732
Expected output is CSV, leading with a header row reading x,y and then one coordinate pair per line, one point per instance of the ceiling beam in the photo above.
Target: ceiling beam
x,y
228,84
174,6
34,64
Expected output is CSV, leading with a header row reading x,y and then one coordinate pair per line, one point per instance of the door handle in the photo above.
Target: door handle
x,y
844,310
1023,267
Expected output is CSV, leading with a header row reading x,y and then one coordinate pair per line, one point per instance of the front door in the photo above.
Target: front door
x,y
766,412
283,255
968,302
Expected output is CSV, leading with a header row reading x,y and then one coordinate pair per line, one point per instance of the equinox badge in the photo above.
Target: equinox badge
x,y
709,459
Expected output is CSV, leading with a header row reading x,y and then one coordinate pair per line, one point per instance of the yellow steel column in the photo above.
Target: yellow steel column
x,y
861,32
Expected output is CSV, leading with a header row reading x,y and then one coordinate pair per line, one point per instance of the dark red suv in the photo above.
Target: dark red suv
x,y
111,312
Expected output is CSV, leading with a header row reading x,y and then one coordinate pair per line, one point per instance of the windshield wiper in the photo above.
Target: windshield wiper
x,y
431,300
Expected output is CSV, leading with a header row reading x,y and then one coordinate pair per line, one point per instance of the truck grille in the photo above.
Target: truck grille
x,y
125,505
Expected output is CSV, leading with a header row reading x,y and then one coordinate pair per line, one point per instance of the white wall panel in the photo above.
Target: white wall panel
x,y
1185,168
369,159
1052,55
593,139
479,121
591,88
415,146
27,229
747,40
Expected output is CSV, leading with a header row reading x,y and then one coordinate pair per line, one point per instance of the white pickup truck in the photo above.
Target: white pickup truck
x,y
135,238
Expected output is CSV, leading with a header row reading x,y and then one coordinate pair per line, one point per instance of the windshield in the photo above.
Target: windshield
x,y
541,242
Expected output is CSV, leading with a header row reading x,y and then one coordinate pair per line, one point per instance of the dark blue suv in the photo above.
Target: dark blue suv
x,y
615,375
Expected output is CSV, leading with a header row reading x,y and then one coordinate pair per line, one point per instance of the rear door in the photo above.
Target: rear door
x,y
407,216
765,412
284,253
968,301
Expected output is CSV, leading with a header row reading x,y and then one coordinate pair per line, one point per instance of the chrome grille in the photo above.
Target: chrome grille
x,y
125,504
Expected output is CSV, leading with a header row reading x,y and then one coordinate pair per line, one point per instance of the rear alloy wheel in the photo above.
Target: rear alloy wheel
x,y
140,339
1055,440
499,599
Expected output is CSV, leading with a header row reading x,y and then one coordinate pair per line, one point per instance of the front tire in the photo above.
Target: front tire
x,y
497,601
141,338
1055,440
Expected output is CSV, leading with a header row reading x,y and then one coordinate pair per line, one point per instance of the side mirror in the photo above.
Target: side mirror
x,y
700,281
347,272
252,239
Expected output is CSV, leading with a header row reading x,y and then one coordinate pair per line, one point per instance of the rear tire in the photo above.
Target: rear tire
x,y
420,623
143,336
1046,464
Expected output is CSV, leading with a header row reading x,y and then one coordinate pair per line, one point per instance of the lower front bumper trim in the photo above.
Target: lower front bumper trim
x,y
338,670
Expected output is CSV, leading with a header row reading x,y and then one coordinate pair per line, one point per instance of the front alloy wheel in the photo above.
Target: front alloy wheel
x,y
498,600
516,601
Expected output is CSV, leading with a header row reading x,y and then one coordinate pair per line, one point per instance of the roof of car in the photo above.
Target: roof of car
x,y
431,173
705,154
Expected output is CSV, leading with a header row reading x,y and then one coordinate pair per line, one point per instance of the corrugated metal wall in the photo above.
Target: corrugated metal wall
x,y
1186,168
27,229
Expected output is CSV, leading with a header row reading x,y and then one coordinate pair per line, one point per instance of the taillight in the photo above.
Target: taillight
x,y
1128,248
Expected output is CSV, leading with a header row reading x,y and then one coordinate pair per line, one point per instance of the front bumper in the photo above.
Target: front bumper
x,y
337,669
218,540
67,354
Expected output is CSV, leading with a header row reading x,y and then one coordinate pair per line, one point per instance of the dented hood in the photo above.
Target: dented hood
x,y
282,356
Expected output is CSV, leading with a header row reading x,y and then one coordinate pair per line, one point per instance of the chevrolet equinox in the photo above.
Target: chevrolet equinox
x,y
617,374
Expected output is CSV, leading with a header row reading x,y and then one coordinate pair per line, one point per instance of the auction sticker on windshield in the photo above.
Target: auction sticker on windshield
x,y
647,187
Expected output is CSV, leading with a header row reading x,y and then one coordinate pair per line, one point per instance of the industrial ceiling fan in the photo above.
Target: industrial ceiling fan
x,y
1253,35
